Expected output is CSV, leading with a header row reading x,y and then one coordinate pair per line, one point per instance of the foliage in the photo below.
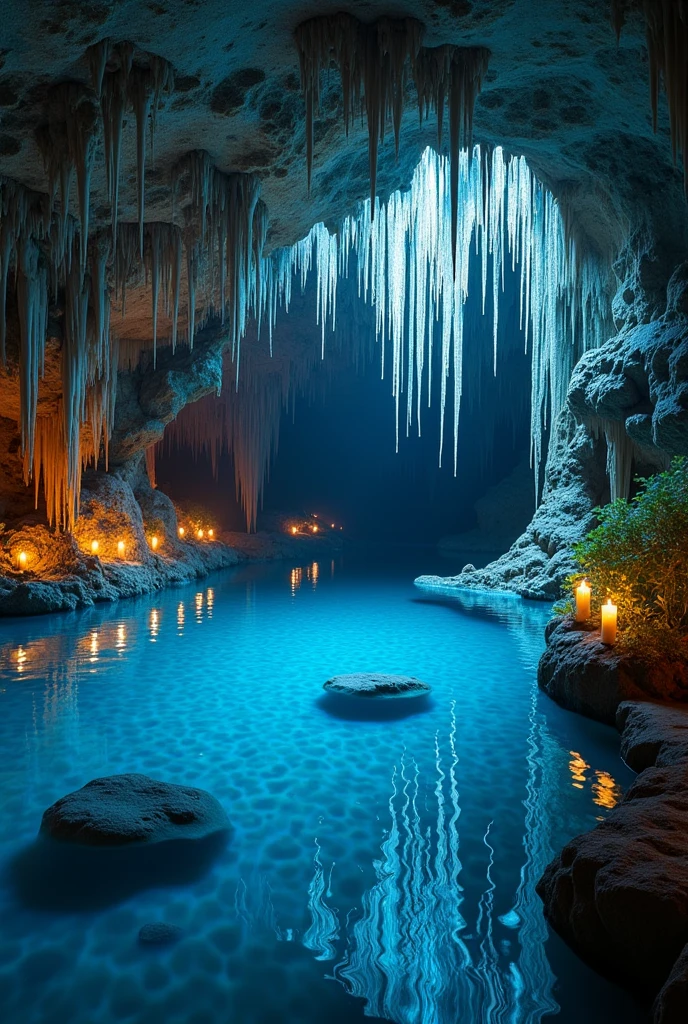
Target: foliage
x,y
638,556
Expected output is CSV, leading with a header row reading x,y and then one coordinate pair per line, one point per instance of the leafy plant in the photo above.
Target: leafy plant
x,y
638,556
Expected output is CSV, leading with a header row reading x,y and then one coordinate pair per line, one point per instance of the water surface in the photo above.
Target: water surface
x,y
377,868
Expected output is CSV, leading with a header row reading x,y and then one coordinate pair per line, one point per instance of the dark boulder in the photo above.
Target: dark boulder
x,y
125,809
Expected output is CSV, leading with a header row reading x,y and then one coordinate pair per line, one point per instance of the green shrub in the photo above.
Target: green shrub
x,y
638,556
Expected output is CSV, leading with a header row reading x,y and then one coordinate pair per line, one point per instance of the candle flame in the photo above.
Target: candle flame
x,y
23,559
293,529
200,534
181,531
120,547
94,547
211,534
154,542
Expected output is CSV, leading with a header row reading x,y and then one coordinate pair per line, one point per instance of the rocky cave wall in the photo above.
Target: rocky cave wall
x,y
559,89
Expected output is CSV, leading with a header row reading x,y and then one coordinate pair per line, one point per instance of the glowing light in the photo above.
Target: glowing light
x,y
120,548
608,630
23,560
314,529
332,525
94,646
181,531
295,579
293,529
120,642
154,624
21,659
211,534
199,606
199,534
180,617
582,601
578,767
94,547
605,791
210,601
154,542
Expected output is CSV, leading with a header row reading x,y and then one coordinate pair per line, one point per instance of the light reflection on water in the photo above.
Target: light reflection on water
x,y
397,859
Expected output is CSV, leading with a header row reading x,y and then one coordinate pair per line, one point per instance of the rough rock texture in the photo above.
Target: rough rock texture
x,y
121,810
619,894
376,684
582,674
62,574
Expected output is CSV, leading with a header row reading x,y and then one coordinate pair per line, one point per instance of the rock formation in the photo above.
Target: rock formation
x,y
619,894
376,685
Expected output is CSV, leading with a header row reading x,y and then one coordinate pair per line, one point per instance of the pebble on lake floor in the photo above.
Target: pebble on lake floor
x,y
377,684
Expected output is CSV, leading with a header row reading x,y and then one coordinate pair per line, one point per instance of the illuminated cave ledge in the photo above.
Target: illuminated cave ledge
x,y
404,267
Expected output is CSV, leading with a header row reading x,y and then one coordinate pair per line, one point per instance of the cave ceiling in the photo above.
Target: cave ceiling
x,y
558,90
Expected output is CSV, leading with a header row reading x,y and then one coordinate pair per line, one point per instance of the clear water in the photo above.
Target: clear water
x,y
377,868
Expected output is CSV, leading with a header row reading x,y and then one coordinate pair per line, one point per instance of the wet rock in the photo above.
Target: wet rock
x,y
582,674
120,810
160,934
619,894
671,1005
376,684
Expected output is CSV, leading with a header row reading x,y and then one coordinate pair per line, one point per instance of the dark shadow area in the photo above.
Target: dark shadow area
x,y
47,875
373,709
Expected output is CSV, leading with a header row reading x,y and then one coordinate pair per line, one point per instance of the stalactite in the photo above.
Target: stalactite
x,y
221,211
32,303
407,269
666,23
150,464
68,145
114,102
373,61
145,86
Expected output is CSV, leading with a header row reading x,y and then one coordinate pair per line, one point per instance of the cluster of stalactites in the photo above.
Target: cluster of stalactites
x,y
375,62
406,269
666,24
226,227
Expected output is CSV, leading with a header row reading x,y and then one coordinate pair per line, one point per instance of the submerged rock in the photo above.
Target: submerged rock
x,y
619,894
377,684
160,934
121,810
582,674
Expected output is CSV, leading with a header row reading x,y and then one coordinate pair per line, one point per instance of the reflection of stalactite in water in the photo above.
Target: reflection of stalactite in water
x,y
324,929
408,954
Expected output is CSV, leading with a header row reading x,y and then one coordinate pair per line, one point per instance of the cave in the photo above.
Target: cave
x,y
344,512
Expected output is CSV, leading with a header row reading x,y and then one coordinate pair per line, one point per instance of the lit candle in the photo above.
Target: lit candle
x,y
293,529
582,601
200,534
120,548
154,542
609,622
211,534
181,531
94,547
315,529
333,526
23,559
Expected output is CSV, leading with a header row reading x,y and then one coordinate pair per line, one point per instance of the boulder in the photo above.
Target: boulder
x,y
121,810
376,684
582,674
619,894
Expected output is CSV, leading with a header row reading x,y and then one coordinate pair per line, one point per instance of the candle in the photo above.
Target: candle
x,y
211,534
94,547
293,529
154,542
181,531
120,548
200,534
582,601
23,559
609,622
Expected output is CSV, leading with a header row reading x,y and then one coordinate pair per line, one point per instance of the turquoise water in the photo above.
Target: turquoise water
x,y
377,868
